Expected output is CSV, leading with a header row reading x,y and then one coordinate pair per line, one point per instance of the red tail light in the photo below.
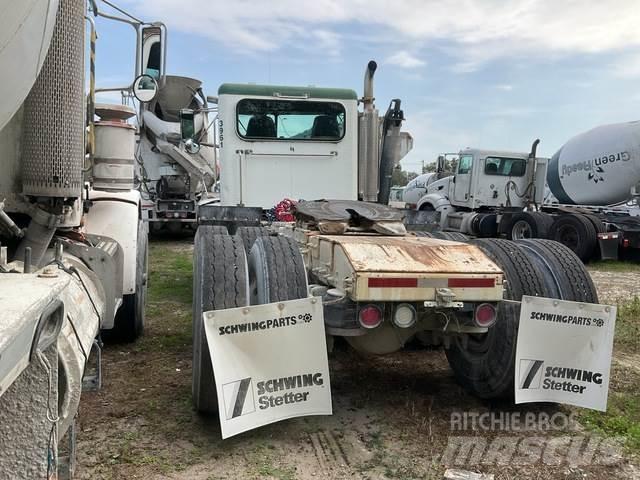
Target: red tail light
x,y
370,316
472,282
393,282
485,315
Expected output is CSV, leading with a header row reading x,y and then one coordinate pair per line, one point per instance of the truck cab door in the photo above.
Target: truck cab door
x,y
462,185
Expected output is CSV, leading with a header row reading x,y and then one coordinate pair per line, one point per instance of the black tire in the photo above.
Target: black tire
x,y
527,225
485,225
486,366
596,222
128,324
458,237
576,232
423,234
250,234
217,230
440,235
276,271
564,273
452,236
220,281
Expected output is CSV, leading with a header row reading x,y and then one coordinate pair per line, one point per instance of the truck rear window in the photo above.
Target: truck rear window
x,y
506,167
290,120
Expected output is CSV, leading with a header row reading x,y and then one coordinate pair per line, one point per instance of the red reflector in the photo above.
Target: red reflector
x,y
370,316
471,282
393,282
625,243
485,315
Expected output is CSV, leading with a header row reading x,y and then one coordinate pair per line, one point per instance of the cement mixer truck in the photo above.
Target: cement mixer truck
x,y
73,242
175,160
585,196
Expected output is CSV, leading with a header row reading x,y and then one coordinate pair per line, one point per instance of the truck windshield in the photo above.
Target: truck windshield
x,y
290,120
506,167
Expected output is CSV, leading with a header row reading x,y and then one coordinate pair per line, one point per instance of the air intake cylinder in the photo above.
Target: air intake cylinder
x,y
53,132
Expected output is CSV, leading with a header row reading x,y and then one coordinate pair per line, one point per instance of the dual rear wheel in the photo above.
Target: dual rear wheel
x,y
224,276
485,363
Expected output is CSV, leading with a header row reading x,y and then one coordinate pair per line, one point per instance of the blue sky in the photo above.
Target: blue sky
x,y
470,73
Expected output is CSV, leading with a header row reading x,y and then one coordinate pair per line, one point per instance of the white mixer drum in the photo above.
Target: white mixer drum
x,y
114,155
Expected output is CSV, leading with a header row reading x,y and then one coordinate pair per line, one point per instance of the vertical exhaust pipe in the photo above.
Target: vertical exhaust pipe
x,y
368,140
367,98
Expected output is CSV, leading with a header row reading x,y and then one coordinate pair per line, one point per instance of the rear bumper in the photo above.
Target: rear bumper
x,y
411,288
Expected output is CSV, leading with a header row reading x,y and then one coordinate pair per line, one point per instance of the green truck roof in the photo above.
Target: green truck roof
x,y
286,91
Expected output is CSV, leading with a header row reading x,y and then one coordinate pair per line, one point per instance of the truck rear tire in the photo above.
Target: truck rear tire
x,y
457,236
486,366
128,324
565,275
220,280
451,236
217,230
250,234
276,271
576,232
596,222
527,225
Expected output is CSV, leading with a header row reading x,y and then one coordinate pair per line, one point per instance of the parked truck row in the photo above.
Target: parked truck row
x,y
585,197
77,178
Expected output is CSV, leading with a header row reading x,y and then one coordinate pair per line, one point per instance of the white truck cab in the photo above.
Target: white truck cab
x,y
277,141
486,178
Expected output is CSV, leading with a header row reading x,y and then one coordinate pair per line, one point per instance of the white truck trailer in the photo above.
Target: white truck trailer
x,y
380,286
583,197
73,243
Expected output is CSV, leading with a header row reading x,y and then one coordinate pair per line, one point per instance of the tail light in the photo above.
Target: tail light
x,y
370,316
485,315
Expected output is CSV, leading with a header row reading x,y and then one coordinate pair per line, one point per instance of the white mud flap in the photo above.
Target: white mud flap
x,y
270,363
564,352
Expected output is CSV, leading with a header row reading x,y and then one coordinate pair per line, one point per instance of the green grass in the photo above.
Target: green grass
x,y
170,275
615,266
627,337
622,419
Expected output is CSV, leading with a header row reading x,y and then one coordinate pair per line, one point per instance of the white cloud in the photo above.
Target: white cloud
x,y
627,66
404,59
505,87
477,30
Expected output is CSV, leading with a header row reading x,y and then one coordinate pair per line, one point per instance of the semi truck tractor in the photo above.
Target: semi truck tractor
x,y
585,196
73,243
380,285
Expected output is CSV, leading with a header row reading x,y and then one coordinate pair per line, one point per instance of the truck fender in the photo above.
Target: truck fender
x,y
116,215
437,202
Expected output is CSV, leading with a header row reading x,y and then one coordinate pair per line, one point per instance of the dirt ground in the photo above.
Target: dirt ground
x,y
392,414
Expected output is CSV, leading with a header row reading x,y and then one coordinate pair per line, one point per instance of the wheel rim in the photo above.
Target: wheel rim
x,y
568,236
521,230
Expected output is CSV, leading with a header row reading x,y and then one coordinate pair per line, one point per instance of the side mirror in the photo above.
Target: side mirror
x,y
153,54
145,88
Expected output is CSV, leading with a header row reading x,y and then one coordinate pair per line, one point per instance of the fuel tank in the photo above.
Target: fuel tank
x,y
597,167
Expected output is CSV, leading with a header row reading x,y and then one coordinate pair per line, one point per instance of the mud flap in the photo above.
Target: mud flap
x,y
270,363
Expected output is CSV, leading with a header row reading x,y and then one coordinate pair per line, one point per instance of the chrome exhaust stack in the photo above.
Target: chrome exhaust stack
x,y
368,141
